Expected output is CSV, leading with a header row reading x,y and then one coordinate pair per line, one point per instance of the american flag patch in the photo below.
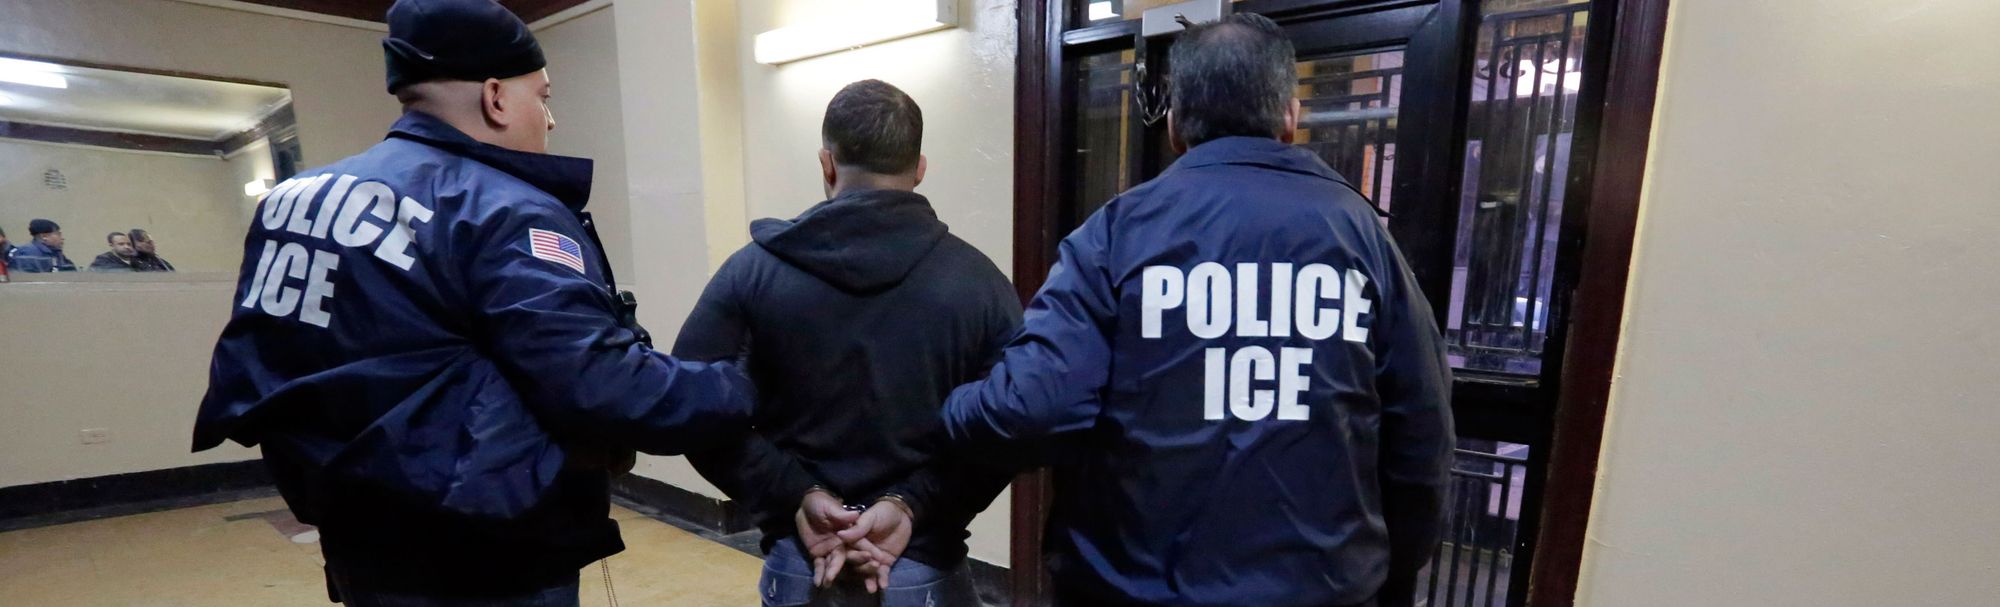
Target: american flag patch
x,y
557,248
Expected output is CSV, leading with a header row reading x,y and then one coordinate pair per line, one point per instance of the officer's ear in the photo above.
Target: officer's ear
x,y
1174,135
1292,113
923,164
492,104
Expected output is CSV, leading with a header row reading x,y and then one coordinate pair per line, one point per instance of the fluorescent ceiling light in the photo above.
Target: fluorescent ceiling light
x,y
256,187
892,20
32,73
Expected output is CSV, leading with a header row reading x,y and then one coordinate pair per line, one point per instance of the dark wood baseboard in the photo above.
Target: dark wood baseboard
x,y
720,516
58,502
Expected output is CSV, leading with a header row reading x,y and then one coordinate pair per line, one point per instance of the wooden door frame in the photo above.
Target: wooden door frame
x,y
1038,73
1614,176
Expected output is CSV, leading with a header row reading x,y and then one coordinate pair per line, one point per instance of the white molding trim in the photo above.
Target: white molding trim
x,y
567,14
248,7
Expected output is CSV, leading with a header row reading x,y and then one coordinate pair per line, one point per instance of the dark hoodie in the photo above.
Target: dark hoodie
x,y
859,318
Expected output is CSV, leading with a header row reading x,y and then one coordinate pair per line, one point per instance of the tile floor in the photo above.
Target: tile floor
x,y
251,553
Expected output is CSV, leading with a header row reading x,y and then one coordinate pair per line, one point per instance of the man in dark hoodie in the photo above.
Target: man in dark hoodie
x,y
858,317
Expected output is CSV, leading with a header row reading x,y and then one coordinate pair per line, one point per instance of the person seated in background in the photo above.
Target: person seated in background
x,y
859,317
119,259
147,257
44,251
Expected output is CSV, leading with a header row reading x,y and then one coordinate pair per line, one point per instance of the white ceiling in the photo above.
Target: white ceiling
x,y
111,100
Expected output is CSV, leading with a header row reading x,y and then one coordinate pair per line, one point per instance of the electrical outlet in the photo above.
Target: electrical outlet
x,y
94,436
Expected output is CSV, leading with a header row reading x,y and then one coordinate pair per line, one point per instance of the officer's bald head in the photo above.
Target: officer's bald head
x,y
1236,77
512,113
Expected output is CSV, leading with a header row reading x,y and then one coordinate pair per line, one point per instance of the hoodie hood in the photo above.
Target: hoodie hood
x,y
860,242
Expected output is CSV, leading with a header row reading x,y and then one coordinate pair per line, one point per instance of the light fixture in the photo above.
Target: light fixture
x,y
891,20
256,187
1102,10
1565,70
5,100
32,73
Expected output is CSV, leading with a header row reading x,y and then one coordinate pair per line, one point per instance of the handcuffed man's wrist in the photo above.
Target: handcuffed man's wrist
x,y
900,503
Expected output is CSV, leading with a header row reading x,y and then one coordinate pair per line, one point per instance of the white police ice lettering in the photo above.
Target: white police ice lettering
x,y
1256,382
294,276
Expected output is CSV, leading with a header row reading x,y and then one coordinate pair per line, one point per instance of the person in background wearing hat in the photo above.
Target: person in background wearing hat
x,y
44,252
147,258
426,344
121,257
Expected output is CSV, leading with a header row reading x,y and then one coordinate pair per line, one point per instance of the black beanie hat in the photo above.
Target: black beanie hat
x,y
457,40
42,226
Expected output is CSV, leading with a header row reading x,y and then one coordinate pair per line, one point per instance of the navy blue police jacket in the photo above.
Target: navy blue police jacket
x,y
38,256
1247,390
424,344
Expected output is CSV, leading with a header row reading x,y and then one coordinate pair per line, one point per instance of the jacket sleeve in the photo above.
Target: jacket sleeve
x,y
958,481
554,332
1413,380
1049,378
754,469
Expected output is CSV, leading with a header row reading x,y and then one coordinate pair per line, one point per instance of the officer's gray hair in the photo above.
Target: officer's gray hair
x,y
1234,77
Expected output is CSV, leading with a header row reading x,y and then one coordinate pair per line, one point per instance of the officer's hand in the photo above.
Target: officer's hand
x,y
879,538
820,517
622,461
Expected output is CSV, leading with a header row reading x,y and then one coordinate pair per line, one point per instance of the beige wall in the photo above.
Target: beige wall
x,y
130,357
1807,392
187,203
590,121
963,78
663,147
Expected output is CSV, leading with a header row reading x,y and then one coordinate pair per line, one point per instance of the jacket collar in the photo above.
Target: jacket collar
x,y
564,177
1257,151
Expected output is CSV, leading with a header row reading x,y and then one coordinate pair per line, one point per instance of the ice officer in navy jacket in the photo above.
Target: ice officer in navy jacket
x,y
426,344
1251,391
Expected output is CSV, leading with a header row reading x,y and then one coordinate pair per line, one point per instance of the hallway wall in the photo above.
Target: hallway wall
x,y
590,120
1805,400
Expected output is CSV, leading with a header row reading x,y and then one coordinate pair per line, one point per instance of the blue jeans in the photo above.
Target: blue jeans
x,y
559,596
787,582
